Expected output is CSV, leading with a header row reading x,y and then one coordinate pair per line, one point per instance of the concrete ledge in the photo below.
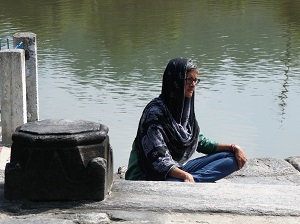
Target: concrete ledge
x,y
267,190
294,161
268,171
166,202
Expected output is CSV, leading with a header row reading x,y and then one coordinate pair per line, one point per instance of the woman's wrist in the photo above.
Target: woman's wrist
x,y
178,173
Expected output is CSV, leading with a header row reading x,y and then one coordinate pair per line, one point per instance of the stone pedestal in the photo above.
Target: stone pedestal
x,y
55,160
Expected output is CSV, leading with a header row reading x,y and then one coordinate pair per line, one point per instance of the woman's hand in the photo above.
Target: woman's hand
x,y
188,178
238,151
240,156
180,174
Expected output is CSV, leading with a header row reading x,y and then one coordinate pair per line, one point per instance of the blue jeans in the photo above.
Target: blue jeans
x,y
210,168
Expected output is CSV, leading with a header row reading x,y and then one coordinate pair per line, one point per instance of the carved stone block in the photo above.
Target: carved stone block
x,y
55,160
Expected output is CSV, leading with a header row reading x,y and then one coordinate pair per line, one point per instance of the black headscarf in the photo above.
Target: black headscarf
x,y
162,142
173,88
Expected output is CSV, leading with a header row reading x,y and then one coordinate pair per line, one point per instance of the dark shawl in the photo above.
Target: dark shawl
x,y
164,138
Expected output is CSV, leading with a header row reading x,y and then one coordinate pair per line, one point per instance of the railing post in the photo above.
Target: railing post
x,y
30,47
13,104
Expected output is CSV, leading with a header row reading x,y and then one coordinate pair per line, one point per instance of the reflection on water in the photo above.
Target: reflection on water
x,y
287,61
103,61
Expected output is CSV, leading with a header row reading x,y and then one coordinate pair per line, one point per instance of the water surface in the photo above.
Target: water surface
x,y
103,61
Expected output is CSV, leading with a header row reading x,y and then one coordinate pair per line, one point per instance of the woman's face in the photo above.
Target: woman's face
x,y
190,83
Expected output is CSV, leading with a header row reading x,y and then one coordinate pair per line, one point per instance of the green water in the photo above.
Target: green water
x,y
103,61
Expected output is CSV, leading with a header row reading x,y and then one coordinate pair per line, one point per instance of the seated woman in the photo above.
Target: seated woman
x,y
168,135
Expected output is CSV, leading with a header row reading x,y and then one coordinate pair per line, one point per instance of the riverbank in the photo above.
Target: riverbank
x,y
266,190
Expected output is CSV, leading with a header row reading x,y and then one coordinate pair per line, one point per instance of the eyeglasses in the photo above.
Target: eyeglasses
x,y
191,81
